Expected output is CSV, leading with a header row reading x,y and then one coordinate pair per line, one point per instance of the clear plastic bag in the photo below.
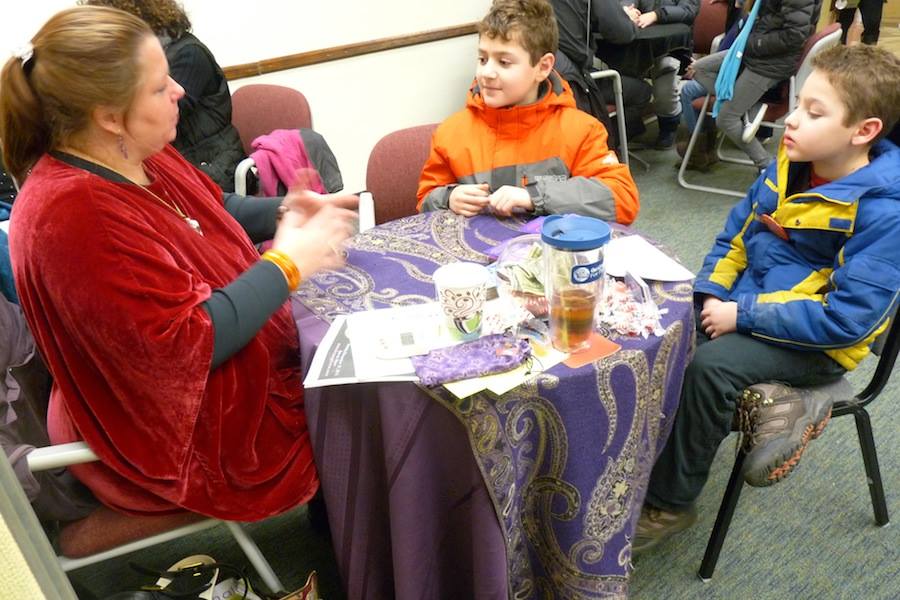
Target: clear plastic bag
x,y
520,273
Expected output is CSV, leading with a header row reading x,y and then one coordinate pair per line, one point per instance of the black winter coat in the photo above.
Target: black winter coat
x,y
607,19
205,134
776,40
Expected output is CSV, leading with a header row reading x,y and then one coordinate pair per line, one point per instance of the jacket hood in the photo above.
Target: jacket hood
x,y
553,94
880,177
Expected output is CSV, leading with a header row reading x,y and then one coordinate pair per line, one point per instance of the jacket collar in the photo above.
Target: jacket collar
x,y
882,174
553,94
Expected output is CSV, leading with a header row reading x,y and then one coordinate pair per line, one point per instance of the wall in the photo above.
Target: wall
x,y
354,101
18,580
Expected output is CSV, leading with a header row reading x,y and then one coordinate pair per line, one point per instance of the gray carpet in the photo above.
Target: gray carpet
x,y
811,536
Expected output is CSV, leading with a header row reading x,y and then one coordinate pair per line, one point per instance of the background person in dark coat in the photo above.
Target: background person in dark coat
x,y
579,21
870,10
666,69
771,55
205,136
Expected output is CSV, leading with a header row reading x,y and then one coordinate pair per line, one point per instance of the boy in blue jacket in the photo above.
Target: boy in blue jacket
x,y
797,286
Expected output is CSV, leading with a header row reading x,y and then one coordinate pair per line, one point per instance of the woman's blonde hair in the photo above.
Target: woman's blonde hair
x,y
82,58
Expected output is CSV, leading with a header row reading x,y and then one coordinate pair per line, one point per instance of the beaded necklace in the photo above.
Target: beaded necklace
x,y
171,205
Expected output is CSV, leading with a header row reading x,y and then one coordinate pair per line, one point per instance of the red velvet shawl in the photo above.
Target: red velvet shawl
x,y
111,282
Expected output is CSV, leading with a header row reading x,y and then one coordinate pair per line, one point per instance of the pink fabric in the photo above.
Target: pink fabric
x,y
278,157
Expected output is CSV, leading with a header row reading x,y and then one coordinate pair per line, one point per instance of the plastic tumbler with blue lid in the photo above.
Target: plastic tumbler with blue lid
x,y
573,272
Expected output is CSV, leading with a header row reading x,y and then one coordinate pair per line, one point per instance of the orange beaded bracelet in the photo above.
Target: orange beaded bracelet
x,y
287,266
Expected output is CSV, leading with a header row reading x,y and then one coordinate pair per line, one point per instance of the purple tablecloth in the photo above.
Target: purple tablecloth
x,y
530,495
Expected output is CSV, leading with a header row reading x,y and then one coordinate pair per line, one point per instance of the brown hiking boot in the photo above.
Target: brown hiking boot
x,y
655,525
778,422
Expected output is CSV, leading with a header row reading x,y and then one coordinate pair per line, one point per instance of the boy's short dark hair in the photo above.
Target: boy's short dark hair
x,y
867,79
533,21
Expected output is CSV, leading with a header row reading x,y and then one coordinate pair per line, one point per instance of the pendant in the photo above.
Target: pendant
x,y
194,223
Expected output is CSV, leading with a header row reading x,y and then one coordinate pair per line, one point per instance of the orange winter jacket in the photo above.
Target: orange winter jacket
x,y
555,151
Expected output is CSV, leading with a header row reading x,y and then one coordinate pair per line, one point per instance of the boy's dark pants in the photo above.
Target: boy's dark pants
x,y
719,372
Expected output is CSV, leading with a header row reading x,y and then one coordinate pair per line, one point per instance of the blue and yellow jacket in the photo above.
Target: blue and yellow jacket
x,y
833,283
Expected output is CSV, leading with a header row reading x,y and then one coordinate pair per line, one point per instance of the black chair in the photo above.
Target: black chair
x,y
846,403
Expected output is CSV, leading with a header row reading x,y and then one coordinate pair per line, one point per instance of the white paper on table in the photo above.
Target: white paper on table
x,y
544,357
464,388
334,362
365,329
634,253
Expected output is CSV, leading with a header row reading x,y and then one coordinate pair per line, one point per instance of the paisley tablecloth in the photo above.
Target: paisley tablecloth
x,y
530,495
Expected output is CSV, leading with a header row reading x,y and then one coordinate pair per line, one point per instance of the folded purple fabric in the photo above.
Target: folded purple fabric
x,y
490,354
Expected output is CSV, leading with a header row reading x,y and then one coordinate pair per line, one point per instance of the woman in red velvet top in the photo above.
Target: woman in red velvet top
x,y
171,344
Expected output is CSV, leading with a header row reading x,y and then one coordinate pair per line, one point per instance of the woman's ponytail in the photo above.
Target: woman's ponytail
x,y
24,130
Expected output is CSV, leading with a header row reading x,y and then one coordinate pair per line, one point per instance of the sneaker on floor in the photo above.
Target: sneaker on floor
x,y
655,525
778,423
752,124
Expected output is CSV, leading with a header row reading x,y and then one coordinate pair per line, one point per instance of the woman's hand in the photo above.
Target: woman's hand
x,y
306,203
314,226
314,242
508,198
469,199
718,318
689,71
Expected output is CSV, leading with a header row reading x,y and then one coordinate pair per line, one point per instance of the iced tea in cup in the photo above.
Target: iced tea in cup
x,y
460,288
573,270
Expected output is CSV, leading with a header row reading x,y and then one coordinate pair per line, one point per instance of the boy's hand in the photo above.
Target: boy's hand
x,y
508,198
469,199
647,19
710,301
718,318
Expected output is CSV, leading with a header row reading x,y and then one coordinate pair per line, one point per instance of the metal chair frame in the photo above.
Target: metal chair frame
x,y
74,453
619,113
854,405
830,36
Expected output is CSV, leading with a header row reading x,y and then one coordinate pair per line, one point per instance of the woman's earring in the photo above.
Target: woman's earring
x,y
122,147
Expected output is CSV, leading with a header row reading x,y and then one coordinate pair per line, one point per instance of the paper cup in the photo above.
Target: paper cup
x,y
460,289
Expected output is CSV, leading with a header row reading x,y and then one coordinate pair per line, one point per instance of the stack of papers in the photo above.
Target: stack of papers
x,y
636,255
376,345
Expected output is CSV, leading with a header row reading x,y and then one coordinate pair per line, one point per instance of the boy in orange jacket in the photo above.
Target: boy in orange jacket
x,y
521,145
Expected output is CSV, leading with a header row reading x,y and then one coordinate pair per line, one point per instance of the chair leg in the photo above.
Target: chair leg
x,y
741,159
256,558
682,180
620,120
723,519
870,459
640,161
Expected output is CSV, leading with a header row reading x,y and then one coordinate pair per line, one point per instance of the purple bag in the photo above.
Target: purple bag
x,y
490,354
